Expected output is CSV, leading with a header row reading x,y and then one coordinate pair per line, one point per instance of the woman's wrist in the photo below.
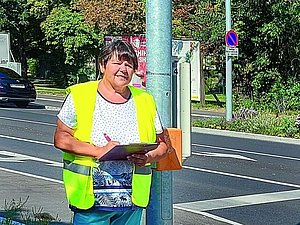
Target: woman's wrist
x,y
98,152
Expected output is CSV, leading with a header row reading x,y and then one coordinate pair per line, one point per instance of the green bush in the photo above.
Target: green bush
x,y
33,65
282,98
50,91
262,123
15,211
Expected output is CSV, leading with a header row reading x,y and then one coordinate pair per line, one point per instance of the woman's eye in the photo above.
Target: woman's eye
x,y
119,63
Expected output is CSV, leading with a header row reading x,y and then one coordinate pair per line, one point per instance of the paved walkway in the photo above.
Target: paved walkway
x,y
41,195
48,197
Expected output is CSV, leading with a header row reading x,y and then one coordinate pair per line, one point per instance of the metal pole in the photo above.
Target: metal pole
x,y
228,66
159,51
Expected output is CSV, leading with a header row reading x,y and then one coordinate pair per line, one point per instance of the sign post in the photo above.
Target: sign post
x,y
231,40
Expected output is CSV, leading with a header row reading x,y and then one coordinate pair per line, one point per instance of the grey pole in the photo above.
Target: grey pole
x,y
228,66
159,51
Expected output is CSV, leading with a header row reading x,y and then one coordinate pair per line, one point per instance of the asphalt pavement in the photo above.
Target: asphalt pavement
x,y
46,198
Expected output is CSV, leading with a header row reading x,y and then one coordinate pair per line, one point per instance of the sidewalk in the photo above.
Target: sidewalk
x,y
51,197
42,194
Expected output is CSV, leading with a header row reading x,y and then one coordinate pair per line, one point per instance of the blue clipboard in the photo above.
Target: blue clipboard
x,y
120,152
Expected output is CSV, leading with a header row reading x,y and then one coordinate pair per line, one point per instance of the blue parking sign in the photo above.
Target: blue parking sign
x,y
231,38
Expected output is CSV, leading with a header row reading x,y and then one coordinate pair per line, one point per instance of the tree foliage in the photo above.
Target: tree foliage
x,y
15,18
72,32
78,42
65,29
269,44
115,17
269,34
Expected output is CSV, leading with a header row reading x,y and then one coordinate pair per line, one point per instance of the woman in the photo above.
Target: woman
x,y
97,116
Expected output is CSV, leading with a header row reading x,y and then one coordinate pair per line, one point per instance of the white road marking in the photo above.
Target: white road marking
x,y
242,176
209,215
50,99
27,121
222,155
16,157
247,152
52,108
238,201
47,108
26,140
31,175
176,206
189,206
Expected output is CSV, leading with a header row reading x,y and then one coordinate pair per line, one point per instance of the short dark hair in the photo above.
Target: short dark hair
x,y
120,48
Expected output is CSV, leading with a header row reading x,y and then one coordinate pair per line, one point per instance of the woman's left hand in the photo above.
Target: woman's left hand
x,y
139,159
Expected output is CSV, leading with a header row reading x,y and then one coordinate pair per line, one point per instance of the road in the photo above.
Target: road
x,y
229,179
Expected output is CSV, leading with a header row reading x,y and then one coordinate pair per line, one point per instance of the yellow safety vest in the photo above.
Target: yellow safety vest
x,y
77,171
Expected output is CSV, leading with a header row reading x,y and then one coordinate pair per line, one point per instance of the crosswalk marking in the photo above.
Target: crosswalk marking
x,y
238,201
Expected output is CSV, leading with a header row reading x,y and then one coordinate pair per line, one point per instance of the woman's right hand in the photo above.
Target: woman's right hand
x,y
106,148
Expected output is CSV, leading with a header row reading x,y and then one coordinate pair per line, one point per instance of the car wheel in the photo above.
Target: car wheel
x,y
22,104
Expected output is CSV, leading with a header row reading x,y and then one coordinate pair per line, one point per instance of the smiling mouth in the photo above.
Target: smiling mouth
x,y
122,76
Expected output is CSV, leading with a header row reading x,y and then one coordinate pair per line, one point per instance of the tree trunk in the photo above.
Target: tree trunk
x,y
22,54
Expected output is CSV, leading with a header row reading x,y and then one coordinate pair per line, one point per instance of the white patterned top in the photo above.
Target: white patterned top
x,y
112,179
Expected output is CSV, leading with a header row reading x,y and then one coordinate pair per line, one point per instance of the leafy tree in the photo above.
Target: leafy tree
x,y
65,29
115,17
73,31
269,44
24,30
201,20
182,22
67,33
22,19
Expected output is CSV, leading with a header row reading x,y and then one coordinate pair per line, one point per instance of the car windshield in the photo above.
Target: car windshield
x,y
9,73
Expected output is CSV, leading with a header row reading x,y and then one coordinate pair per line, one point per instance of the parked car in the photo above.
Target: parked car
x,y
16,89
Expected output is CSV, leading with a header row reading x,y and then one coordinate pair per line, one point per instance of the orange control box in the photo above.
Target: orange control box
x,y
173,160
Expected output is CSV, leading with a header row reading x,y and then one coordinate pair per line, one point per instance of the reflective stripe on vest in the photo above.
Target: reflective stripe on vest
x,y
76,168
85,170
145,170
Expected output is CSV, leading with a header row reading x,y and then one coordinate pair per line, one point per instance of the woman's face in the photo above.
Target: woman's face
x,y
118,71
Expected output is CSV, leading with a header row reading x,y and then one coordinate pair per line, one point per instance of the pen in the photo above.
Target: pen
x,y
106,137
